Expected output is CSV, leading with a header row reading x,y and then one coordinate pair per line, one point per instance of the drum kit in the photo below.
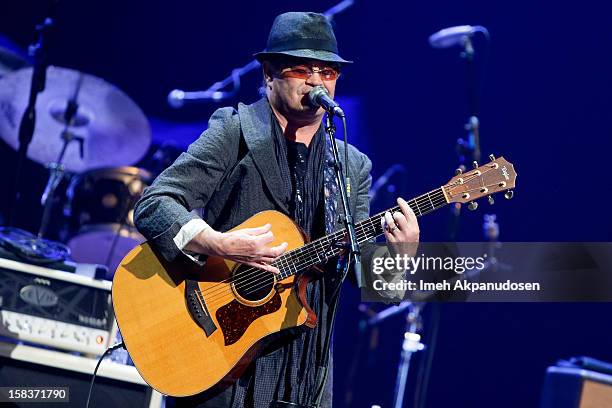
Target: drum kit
x,y
89,133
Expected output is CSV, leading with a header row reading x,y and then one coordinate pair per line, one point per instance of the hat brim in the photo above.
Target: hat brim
x,y
320,55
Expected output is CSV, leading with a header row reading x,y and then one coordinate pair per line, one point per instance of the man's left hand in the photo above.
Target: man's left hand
x,y
401,228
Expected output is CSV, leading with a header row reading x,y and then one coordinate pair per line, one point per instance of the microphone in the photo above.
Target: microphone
x,y
456,35
177,97
318,96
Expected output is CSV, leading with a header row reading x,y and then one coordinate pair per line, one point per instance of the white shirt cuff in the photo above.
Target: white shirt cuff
x,y
187,233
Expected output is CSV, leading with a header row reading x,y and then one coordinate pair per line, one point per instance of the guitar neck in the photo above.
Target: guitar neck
x,y
318,251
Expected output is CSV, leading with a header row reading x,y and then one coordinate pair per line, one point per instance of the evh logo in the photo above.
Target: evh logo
x,y
505,173
38,296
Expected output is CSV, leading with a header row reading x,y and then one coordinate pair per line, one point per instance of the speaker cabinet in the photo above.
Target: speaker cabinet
x,y
116,385
568,387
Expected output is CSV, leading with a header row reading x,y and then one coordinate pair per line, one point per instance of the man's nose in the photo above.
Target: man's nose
x,y
315,79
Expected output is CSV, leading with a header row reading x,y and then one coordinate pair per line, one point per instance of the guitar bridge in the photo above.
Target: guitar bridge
x,y
197,307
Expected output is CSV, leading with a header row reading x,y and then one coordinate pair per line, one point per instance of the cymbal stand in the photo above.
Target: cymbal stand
x,y
56,169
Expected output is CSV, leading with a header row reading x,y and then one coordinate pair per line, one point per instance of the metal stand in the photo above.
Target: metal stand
x,y
177,98
56,169
349,221
28,120
411,344
354,252
468,149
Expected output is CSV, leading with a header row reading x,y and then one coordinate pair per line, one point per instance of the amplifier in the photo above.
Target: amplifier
x,y
570,387
116,385
55,308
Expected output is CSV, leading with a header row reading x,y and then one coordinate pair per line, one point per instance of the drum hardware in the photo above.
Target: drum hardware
x,y
127,217
100,227
56,169
90,114
101,116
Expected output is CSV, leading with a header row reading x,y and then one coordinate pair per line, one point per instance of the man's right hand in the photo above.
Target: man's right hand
x,y
248,246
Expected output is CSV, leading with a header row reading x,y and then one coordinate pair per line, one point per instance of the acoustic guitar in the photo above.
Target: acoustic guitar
x,y
189,328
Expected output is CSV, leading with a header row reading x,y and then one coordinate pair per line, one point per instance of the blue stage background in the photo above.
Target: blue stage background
x,y
546,103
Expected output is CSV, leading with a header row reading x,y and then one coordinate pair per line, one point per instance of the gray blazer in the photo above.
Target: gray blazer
x,y
232,172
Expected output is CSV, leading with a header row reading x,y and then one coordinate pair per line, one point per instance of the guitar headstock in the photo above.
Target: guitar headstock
x,y
493,177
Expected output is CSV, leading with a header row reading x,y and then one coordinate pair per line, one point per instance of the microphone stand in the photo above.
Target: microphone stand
x,y
354,252
28,120
178,97
468,150
410,345
349,221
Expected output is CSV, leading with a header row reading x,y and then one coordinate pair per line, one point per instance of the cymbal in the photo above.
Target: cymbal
x,y
12,57
112,129
11,61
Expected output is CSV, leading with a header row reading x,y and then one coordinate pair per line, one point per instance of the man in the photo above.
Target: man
x,y
273,154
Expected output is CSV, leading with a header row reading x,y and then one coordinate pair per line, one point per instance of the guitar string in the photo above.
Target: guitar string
x,y
295,255
247,275
263,278
311,260
322,243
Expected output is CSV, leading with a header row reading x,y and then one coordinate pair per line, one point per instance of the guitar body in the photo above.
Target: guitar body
x,y
188,329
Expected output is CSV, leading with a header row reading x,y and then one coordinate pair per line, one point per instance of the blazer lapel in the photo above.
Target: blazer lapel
x,y
257,130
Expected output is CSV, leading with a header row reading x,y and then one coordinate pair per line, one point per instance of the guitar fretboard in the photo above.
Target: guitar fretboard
x,y
320,250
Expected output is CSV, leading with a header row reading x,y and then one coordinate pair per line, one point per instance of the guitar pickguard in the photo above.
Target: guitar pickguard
x,y
234,318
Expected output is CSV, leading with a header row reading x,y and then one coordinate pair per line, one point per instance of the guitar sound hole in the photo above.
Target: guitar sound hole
x,y
251,283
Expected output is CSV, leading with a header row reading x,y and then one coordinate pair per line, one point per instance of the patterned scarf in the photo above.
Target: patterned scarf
x,y
313,179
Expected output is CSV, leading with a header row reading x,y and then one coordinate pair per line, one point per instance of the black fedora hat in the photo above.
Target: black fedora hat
x,y
303,35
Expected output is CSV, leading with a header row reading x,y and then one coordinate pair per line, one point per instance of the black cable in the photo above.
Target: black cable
x,y
107,352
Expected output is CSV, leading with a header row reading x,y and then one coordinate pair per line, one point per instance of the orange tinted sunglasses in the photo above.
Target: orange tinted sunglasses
x,y
305,72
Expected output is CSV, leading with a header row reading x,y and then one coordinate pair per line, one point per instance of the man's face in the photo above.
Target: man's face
x,y
289,82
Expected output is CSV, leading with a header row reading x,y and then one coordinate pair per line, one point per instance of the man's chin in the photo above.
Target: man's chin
x,y
307,111
313,110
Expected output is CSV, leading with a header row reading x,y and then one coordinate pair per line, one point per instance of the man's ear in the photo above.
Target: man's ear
x,y
267,71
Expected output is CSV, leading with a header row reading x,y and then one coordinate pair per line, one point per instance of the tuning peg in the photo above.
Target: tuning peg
x,y
475,164
491,200
472,205
458,172
492,157
509,194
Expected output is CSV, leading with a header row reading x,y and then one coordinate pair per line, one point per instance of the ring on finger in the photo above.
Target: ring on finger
x,y
390,229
